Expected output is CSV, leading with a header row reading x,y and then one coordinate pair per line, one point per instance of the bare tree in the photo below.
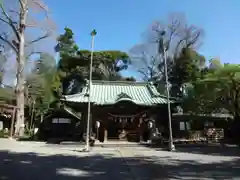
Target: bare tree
x,y
179,34
17,17
145,60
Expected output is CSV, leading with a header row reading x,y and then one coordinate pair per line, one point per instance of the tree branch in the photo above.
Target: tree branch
x,y
195,37
3,20
41,5
175,24
15,12
10,22
38,39
152,69
143,73
21,4
9,43
32,53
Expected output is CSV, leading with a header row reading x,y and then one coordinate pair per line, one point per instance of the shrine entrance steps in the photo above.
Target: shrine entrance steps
x,y
117,143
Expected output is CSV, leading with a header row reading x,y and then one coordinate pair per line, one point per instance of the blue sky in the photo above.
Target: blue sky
x,y
120,23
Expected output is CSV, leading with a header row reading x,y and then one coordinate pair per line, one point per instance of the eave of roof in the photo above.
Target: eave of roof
x,y
107,92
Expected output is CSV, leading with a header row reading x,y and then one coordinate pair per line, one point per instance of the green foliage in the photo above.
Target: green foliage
x,y
56,86
39,84
94,32
74,63
130,79
66,45
215,64
186,67
7,95
218,90
183,68
44,64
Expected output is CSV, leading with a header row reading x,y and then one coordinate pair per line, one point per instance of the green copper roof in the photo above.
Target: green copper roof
x,y
111,92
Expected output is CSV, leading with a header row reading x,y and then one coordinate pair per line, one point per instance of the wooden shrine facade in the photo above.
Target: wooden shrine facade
x,y
121,121
122,109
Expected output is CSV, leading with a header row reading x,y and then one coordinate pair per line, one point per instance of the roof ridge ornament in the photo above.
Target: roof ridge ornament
x,y
123,95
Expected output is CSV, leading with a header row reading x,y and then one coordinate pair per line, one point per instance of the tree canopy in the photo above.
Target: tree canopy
x,y
179,35
217,91
203,88
74,64
180,41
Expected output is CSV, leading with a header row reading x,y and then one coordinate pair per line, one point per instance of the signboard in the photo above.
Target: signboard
x,y
64,121
55,120
61,121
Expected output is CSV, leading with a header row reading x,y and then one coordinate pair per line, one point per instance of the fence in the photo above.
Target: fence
x,y
210,135
214,134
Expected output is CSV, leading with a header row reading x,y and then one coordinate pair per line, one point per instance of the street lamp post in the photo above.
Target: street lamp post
x,y
93,34
162,50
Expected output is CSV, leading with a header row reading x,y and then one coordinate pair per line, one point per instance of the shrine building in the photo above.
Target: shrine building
x,y
121,109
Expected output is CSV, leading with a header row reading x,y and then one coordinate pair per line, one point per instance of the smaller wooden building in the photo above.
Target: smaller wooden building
x,y
61,123
196,126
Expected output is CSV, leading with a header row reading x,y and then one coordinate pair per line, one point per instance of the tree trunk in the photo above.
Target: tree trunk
x,y
32,116
19,130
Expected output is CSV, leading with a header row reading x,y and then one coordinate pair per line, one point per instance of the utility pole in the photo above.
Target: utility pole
x,y
93,34
162,50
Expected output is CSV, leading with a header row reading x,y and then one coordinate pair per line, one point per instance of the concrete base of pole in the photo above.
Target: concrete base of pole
x,y
11,138
171,147
86,149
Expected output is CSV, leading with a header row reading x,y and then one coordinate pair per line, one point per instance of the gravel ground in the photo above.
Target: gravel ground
x,y
33,161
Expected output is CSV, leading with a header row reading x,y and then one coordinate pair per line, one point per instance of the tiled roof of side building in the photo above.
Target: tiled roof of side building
x,y
111,92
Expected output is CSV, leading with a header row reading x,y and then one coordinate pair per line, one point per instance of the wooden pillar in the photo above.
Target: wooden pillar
x,y
140,127
106,130
105,134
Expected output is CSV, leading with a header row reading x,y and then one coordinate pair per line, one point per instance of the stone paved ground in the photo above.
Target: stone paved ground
x,y
33,161
151,164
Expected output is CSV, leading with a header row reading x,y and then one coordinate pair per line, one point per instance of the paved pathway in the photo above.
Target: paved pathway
x,y
33,161
151,164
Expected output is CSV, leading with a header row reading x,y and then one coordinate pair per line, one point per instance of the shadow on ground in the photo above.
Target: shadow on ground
x,y
167,168
32,166
207,149
215,150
